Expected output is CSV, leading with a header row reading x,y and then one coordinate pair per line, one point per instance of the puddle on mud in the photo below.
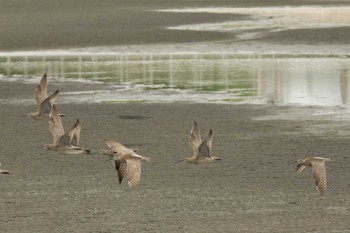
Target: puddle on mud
x,y
217,78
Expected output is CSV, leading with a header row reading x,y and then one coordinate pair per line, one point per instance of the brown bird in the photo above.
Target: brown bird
x,y
43,102
126,161
318,171
113,147
201,149
4,171
64,143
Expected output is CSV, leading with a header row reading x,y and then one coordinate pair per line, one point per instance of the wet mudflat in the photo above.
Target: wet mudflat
x,y
80,24
251,190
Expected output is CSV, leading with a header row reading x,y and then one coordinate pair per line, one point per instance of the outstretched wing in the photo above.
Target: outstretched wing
x,y
204,150
120,166
55,125
210,140
75,133
319,174
114,144
133,170
195,137
41,91
205,147
299,169
72,136
46,105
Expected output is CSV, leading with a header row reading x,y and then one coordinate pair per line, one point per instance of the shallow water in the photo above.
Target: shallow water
x,y
196,77
271,19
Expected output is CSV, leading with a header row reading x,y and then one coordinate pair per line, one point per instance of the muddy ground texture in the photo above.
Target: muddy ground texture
x,y
67,24
251,190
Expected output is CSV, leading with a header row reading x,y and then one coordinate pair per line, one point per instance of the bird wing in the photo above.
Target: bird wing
x,y
114,144
210,139
133,171
64,140
120,166
72,136
46,105
55,125
299,169
41,91
319,174
75,132
204,150
195,138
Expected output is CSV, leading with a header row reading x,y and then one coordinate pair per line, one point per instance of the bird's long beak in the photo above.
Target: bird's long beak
x,y
101,151
292,163
21,116
108,160
179,161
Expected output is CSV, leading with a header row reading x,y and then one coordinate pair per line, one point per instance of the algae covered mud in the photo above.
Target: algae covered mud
x,y
195,77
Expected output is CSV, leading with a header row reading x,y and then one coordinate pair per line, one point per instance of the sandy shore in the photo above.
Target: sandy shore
x,y
251,190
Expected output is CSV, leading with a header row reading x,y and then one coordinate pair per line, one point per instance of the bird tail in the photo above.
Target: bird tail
x,y
88,152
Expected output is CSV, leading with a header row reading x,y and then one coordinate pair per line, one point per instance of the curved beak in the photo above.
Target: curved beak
x,y
108,160
179,161
21,116
292,163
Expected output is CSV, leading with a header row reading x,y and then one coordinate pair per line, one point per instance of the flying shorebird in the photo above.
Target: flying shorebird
x,y
201,149
4,171
43,102
126,161
64,143
318,171
113,147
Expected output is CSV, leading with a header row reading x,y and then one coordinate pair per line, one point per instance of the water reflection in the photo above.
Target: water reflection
x,y
259,79
307,82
